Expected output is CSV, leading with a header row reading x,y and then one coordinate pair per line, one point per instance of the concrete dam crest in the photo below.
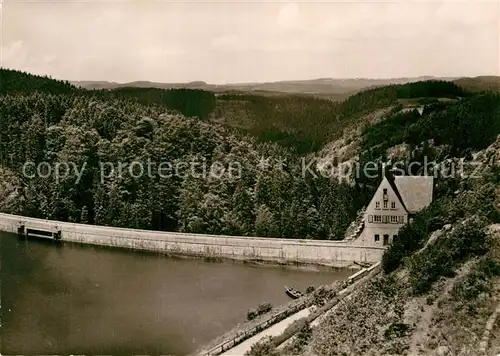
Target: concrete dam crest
x,y
272,250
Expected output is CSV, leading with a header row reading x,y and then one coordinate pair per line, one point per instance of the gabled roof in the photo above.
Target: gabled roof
x,y
415,191
391,180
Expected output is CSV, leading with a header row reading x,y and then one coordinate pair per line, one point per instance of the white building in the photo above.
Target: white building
x,y
396,199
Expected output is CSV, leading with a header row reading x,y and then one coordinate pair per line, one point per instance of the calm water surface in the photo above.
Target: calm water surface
x,y
89,300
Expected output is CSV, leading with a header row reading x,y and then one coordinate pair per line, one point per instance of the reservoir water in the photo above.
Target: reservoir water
x,y
74,299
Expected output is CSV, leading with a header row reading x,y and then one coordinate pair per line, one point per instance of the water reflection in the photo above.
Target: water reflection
x,y
90,300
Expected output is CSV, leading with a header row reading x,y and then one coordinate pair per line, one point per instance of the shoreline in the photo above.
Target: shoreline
x,y
251,262
304,254
242,331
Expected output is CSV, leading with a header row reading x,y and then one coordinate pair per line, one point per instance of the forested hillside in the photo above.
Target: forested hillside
x,y
96,129
275,190
189,102
306,124
479,84
13,81
437,290
440,277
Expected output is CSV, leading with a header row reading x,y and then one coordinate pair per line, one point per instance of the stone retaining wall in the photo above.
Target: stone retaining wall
x,y
331,253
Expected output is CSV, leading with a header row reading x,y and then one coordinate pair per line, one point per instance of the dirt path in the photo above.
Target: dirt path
x,y
424,325
494,347
490,342
490,334
420,334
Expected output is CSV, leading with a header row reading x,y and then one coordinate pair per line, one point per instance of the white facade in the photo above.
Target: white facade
x,y
390,207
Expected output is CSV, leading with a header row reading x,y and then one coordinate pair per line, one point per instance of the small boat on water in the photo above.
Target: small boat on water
x,y
292,292
362,264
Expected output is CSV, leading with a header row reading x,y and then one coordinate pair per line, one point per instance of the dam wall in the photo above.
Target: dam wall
x,y
274,250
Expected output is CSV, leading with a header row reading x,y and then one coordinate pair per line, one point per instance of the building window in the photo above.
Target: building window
x,y
386,240
385,204
394,219
386,197
377,205
401,219
385,219
377,218
393,205
377,238
370,218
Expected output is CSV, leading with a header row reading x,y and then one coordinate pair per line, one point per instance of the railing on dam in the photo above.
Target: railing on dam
x,y
275,250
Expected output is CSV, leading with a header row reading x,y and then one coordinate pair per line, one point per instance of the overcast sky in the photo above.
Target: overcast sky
x,y
250,41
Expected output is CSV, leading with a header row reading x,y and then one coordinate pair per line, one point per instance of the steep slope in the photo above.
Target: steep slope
x,y
267,141
438,291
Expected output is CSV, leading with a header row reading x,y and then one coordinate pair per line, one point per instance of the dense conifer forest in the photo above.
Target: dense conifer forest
x,y
45,120
437,289
439,274
90,128
306,124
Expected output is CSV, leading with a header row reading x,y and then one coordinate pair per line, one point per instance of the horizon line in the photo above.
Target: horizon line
x,y
256,82
285,80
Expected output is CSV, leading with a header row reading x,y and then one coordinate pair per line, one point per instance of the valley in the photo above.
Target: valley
x,y
437,279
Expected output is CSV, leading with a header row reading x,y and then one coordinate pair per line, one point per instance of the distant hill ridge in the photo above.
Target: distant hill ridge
x,y
312,86
300,120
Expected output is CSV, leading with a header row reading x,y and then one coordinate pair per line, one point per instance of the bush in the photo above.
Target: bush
x,y
386,285
302,338
323,295
466,240
396,330
478,281
264,308
310,289
261,309
426,268
263,348
252,314
413,235
304,334
481,201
